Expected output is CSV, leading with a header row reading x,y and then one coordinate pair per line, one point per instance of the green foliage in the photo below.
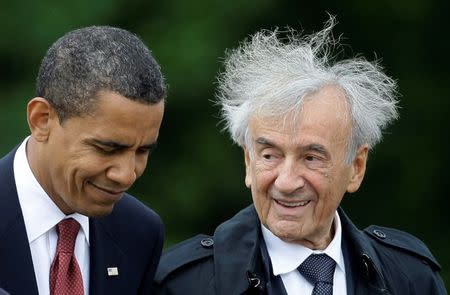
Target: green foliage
x,y
195,179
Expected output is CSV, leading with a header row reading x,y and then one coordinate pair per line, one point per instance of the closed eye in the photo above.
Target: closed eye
x,y
143,151
106,150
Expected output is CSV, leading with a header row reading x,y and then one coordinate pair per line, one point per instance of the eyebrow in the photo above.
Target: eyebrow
x,y
264,141
120,146
310,147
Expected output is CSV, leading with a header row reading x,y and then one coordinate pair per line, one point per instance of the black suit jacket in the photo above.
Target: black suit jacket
x,y
378,260
130,238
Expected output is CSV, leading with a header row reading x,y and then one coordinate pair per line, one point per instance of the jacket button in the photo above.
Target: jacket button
x,y
207,242
379,234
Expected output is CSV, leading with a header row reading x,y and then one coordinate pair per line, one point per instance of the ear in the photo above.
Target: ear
x,y
358,168
248,178
40,115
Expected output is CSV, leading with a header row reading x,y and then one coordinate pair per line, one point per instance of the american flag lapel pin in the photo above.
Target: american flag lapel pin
x,y
112,271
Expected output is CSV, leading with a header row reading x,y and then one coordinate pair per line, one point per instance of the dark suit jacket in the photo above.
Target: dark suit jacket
x,y
130,238
378,260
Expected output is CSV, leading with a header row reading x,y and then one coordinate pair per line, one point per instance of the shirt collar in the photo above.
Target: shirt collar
x,y
39,212
286,257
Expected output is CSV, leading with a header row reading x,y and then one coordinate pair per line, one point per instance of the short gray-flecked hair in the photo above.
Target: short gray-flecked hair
x,y
85,61
270,76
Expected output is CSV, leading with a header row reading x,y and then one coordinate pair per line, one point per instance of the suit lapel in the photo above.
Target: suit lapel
x,y
362,275
16,271
104,254
16,264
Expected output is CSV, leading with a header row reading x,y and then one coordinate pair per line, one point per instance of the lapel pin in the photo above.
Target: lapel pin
x,y
113,271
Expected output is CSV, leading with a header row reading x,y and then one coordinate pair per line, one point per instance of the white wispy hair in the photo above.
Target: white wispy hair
x,y
269,75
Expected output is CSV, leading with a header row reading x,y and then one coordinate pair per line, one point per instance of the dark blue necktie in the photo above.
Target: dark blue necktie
x,y
318,269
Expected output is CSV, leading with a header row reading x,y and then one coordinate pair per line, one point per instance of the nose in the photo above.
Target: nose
x,y
123,171
289,178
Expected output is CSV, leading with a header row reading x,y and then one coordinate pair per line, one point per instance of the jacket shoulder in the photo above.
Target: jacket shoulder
x,y
141,212
179,256
135,227
131,218
404,242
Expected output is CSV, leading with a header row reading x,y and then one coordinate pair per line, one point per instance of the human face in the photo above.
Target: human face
x,y
88,162
296,168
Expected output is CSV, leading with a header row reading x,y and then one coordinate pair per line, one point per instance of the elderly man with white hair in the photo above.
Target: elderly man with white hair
x,y
306,124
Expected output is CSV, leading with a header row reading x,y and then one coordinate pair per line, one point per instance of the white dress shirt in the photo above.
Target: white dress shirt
x,y
286,257
41,215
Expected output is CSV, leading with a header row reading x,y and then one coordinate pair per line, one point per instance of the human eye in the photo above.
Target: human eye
x,y
270,155
267,156
314,161
105,150
143,151
311,158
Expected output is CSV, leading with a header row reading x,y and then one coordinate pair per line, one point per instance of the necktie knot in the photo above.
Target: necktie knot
x,y
67,230
318,268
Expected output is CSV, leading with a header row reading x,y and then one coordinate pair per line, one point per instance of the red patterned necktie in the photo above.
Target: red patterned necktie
x,y
65,274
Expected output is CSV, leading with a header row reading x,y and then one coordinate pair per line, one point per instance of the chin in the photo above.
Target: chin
x,y
287,231
97,212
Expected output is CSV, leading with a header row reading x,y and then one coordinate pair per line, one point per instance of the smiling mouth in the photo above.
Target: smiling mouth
x,y
292,204
106,190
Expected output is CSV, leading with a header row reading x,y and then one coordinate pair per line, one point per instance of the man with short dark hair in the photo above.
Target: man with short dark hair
x,y
306,124
67,224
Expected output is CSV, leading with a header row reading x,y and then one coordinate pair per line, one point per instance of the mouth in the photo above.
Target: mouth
x,y
292,204
108,192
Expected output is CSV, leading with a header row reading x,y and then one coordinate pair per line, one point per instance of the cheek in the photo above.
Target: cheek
x,y
330,195
262,205
141,164
261,182
262,177
80,168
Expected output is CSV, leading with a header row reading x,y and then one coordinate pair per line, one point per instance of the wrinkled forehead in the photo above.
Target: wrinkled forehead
x,y
327,106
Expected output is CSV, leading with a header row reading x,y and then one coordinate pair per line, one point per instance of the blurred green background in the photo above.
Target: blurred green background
x,y
195,180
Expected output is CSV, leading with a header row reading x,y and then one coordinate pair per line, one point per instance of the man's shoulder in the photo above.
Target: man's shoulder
x,y
6,164
396,242
132,218
185,254
196,259
134,210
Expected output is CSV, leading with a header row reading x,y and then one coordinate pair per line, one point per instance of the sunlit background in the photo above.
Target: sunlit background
x,y
195,178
